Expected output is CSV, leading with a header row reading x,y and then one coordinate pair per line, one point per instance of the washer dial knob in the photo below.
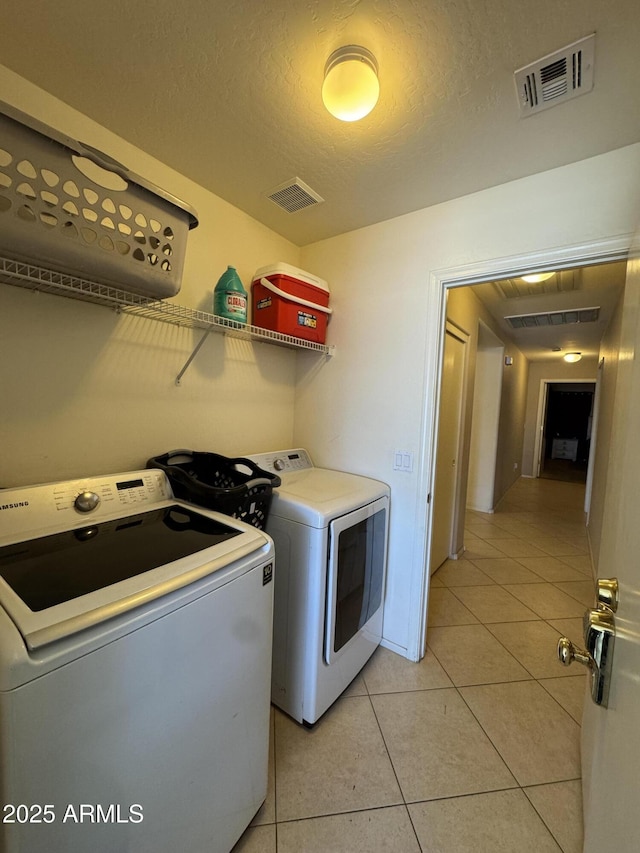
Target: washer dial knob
x,y
86,501
279,464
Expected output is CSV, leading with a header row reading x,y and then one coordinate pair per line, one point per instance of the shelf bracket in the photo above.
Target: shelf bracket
x,y
195,352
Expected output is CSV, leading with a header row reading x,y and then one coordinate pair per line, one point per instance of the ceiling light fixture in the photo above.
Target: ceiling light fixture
x,y
536,278
351,87
572,357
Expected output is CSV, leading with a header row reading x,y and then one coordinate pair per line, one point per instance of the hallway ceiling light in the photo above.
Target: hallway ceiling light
x,y
536,278
572,357
351,87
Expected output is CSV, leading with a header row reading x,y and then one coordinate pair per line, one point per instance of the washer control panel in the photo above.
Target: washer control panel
x,y
140,487
283,461
32,508
86,501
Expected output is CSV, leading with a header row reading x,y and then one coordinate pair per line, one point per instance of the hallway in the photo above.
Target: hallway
x,y
476,748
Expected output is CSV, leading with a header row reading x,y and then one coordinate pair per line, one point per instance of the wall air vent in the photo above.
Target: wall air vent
x,y
557,77
553,318
294,195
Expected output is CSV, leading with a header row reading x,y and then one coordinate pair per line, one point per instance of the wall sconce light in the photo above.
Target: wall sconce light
x,y
536,278
351,87
572,357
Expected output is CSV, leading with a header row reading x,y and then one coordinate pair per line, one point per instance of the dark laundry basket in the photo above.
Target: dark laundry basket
x,y
215,482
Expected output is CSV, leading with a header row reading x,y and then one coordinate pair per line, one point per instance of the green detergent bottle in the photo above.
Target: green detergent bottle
x,y
230,297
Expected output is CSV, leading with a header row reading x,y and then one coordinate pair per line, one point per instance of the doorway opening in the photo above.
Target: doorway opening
x,y
567,427
445,285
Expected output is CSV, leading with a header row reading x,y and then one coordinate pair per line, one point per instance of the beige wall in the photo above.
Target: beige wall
x,y
485,420
85,391
555,370
608,377
377,394
510,432
465,309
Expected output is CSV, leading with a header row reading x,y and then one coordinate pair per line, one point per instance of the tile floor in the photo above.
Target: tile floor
x,y
476,748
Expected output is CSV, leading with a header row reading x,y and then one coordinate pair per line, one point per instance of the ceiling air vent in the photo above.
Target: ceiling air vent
x,y
294,195
557,77
553,318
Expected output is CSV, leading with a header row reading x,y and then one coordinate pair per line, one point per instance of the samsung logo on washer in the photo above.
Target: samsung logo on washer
x,y
16,505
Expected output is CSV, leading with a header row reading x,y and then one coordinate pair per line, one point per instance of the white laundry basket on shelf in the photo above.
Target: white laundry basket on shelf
x,y
73,209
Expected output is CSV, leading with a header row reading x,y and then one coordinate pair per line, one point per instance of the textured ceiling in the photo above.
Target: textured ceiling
x,y
229,93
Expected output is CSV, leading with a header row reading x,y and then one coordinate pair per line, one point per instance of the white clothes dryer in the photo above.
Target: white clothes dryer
x,y
330,531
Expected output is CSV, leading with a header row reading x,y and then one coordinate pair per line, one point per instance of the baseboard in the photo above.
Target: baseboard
x,y
394,647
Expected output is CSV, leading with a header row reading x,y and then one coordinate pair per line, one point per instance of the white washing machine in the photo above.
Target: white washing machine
x,y
330,531
135,652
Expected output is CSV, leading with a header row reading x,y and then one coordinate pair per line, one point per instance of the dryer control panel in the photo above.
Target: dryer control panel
x,y
283,461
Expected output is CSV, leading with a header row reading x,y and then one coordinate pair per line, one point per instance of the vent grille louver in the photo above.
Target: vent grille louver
x,y
557,77
294,195
553,318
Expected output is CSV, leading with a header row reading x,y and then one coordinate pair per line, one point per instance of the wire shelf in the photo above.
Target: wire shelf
x,y
36,278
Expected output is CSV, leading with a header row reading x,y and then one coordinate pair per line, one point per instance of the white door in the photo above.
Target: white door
x,y
611,736
541,432
593,441
448,449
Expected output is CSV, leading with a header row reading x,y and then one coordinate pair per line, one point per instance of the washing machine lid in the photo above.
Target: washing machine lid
x,y
315,496
57,568
63,573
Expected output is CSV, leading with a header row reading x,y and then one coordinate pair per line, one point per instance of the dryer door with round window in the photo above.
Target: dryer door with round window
x,y
356,575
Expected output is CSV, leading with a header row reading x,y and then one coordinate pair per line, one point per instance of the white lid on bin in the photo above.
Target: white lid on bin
x,y
281,268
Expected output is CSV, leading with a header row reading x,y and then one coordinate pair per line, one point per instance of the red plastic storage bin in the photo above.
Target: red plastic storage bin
x,y
290,301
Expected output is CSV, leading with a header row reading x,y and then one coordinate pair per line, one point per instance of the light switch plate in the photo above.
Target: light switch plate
x,y
403,461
